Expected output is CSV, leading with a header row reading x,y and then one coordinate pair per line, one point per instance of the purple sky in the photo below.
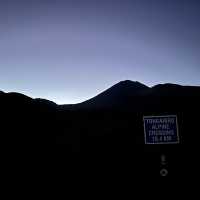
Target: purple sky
x,y
71,50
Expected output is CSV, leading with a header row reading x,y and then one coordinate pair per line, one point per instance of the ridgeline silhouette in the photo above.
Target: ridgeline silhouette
x,y
108,128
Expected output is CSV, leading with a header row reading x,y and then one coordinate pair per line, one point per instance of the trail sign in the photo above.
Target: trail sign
x,y
161,129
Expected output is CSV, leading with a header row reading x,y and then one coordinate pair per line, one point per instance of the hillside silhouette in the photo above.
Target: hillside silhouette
x,y
107,130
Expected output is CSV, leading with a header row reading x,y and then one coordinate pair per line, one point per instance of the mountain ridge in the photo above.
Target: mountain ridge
x,y
123,89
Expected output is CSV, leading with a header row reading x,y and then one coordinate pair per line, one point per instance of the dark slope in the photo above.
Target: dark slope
x,y
25,120
107,129
129,96
117,96
121,96
27,134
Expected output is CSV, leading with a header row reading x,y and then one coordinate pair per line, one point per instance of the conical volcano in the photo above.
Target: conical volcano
x,y
119,95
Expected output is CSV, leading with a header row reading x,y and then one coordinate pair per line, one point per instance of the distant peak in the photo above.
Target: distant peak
x,y
129,82
132,83
41,100
126,81
166,85
20,95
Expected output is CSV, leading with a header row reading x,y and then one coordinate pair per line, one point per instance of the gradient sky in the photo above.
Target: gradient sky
x,y
71,50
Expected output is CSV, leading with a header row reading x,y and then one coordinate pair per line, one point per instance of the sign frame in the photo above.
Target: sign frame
x,y
161,116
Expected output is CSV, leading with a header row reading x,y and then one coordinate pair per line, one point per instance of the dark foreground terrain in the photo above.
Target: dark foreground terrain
x,y
103,138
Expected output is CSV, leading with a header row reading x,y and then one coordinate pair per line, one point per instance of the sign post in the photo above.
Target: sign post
x,y
161,130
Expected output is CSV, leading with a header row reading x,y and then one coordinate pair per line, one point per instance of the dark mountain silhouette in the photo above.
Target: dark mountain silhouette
x,y
117,97
107,130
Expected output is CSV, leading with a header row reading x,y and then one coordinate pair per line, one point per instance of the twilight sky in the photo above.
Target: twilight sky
x,y
71,50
